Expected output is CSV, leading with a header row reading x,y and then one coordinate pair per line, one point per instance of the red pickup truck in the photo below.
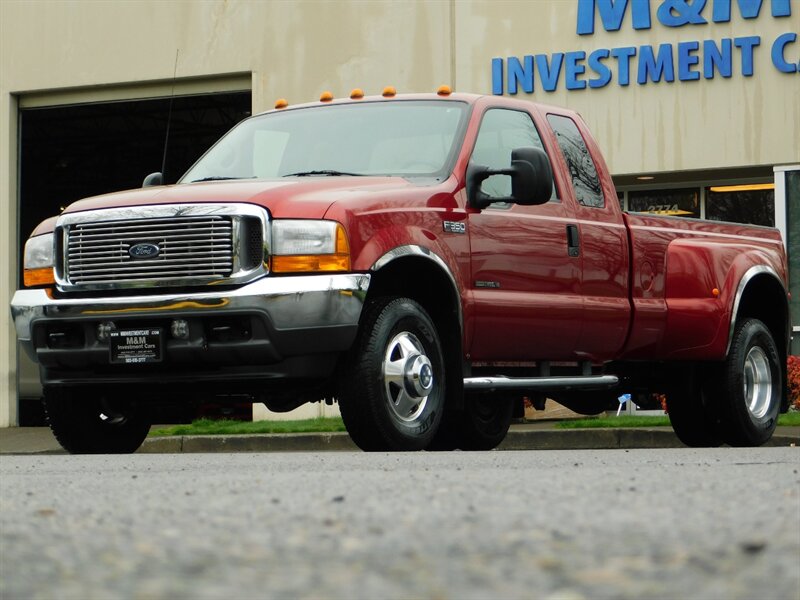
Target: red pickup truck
x,y
425,260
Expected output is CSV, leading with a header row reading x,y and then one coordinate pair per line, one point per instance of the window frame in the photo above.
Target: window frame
x,y
556,196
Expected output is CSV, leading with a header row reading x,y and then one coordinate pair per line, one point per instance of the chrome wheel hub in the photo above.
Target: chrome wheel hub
x,y
757,382
407,376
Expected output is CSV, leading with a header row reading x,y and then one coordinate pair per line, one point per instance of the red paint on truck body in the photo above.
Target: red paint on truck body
x,y
641,288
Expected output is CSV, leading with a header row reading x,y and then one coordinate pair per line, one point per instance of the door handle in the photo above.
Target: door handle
x,y
573,241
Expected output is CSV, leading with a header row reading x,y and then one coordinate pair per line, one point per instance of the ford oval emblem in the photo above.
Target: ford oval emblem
x,y
144,251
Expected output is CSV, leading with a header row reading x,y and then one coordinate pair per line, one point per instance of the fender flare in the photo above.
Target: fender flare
x,y
748,276
414,250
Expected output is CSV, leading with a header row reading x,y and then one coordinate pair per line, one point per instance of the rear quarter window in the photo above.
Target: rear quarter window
x,y
582,169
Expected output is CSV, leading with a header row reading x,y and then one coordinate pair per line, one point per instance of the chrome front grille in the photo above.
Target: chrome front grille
x,y
188,247
168,245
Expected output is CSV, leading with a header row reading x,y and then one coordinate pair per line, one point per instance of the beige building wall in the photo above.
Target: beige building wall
x,y
82,51
684,125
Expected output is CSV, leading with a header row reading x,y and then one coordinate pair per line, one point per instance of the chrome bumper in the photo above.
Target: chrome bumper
x,y
299,302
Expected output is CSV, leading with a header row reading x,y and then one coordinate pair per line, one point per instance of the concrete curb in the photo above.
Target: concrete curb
x,y
39,441
285,442
542,439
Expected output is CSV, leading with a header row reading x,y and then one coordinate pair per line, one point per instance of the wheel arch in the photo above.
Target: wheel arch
x,y
418,273
761,295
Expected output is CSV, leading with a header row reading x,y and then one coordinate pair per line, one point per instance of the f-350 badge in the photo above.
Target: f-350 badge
x,y
455,227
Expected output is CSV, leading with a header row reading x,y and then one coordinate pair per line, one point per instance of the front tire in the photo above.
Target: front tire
x,y
86,421
748,386
392,391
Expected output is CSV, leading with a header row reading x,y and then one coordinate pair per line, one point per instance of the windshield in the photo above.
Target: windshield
x,y
406,138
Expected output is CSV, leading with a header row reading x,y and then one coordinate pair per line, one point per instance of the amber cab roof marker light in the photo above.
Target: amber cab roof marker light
x,y
444,90
357,94
281,103
325,97
389,91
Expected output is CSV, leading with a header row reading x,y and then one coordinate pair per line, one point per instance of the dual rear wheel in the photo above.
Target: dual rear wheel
x,y
736,402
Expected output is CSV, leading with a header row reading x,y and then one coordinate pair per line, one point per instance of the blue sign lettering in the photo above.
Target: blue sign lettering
x,y
598,66
549,73
519,73
653,67
623,56
649,64
749,9
747,44
497,76
716,59
687,59
670,13
779,53
573,68
677,13
611,14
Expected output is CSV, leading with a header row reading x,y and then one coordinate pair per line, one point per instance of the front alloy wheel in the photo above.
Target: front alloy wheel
x,y
392,389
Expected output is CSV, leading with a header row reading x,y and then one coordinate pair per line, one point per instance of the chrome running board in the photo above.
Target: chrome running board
x,y
540,384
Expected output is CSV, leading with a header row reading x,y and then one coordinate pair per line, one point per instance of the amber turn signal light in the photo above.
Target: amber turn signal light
x,y
36,277
305,263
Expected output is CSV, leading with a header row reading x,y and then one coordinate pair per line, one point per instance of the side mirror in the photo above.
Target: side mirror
x,y
531,179
153,179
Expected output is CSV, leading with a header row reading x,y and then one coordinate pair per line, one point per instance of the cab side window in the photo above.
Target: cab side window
x,y
503,130
582,169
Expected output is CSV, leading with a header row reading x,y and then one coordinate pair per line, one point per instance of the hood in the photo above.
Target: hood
x,y
305,198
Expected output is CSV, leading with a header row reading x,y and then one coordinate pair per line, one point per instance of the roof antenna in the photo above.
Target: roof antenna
x,y
169,117
159,177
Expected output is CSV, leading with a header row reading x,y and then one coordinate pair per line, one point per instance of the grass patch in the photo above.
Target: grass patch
x,y
333,424
790,419
228,427
614,422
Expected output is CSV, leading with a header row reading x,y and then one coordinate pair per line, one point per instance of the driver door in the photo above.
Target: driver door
x,y
525,284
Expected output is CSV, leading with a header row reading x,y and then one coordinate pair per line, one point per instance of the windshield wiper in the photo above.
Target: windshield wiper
x,y
327,172
219,178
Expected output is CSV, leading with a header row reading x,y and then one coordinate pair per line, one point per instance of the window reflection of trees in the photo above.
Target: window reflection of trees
x,y
581,166
756,207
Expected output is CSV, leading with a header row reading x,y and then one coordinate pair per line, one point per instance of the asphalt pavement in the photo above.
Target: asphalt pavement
x,y
649,524
537,435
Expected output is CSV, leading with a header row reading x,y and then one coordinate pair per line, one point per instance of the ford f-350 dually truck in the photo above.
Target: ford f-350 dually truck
x,y
424,260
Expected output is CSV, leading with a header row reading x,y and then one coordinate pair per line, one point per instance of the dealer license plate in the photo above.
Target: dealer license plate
x,y
132,346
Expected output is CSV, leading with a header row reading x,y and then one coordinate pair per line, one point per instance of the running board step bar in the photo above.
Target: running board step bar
x,y
540,384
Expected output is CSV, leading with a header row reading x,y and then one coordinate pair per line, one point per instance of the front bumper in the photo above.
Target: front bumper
x,y
270,321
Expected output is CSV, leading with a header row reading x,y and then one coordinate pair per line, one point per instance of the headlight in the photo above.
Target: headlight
x,y
309,246
39,260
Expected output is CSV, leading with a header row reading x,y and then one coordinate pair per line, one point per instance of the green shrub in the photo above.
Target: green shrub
x,y
793,374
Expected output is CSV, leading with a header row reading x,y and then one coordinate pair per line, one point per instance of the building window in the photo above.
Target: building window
x,y
754,204
676,203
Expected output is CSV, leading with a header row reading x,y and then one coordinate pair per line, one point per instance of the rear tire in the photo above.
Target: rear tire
x,y
694,415
482,424
392,391
748,386
484,421
84,421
